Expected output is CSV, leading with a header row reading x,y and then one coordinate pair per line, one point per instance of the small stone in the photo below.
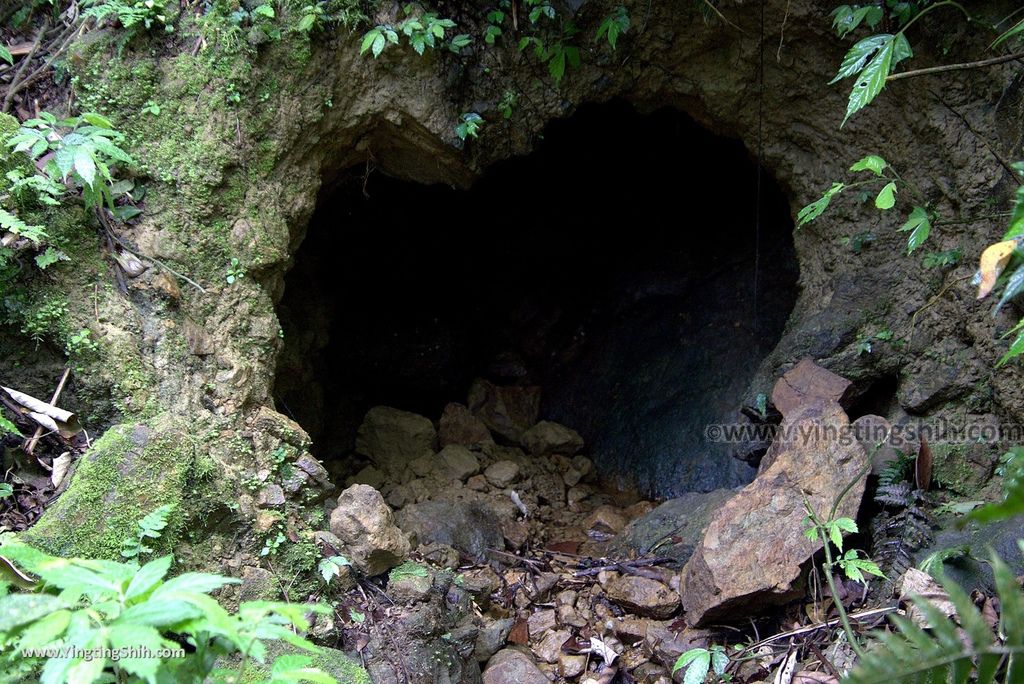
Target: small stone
x,y
257,585
492,637
366,527
570,666
515,533
583,464
502,473
512,666
459,426
314,469
409,587
643,596
441,555
567,615
577,495
541,622
544,582
265,520
368,476
630,629
271,496
605,518
478,483
572,477
457,462
546,438
480,583
550,647
566,598
399,496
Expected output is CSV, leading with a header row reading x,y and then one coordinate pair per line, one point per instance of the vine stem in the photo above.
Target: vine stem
x,y
936,6
961,66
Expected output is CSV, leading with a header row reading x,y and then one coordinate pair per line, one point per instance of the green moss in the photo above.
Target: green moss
x,y
129,471
331,661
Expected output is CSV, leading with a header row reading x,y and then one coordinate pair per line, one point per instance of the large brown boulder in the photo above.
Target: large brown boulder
x,y
546,438
512,666
459,426
367,530
752,553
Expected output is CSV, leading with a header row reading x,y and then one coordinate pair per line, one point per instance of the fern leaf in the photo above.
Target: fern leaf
x,y
944,653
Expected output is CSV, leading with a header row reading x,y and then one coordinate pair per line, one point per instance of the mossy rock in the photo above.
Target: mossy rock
x,y
128,472
330,660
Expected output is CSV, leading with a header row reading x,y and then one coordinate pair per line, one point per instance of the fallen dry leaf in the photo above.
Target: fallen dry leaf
x,y
993,261
60,468
520,634
918,583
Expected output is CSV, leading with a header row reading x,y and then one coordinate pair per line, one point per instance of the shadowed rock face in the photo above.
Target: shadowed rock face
x,y
628,296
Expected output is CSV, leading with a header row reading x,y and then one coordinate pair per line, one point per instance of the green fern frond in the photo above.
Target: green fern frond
x,y
943,654
150,527
12,223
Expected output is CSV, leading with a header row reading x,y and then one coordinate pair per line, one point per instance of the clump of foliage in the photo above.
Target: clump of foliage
x,y
133,15
421,29
88,621
613,26
700,661
469,125
84,148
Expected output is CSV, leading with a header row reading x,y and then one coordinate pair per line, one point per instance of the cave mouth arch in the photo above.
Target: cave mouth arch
x,y
619,266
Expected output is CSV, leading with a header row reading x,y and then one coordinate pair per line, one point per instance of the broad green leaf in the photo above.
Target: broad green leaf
x,y
138,637
65,161
155,612
697,670
920,226
859,55
818,207
872,78
887,197
195,582
85,164
148,576
848,524
98,120
378,46
49,258
368,40
8,428
264,11
872,163
19,609
46,630
6,55
719,660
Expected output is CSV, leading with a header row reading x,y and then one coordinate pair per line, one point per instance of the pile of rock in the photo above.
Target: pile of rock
x,y
502,517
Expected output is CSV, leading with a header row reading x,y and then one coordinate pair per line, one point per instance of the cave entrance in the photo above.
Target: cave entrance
x,y
616,267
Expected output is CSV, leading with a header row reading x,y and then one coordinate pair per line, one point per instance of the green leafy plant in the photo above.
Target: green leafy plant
x,y
89,621
557,55
81,343
700,661
84,150
948,653
6,489
131,14
422,30
331,567
540,9
942,259
888,182
614,25
469,125
865,344
508,103
871,60
149,527
235,272
492,31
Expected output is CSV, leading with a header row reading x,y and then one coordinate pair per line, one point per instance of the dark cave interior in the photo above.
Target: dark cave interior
x,y
620,266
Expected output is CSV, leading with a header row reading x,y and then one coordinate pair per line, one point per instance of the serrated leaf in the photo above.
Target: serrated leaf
x,y
20,609
886,198
871,79
872,163
920,225
859,55
148,577
818,207
85,165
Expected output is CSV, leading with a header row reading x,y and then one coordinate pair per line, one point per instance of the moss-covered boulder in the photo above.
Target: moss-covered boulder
x,y
331,661
130,471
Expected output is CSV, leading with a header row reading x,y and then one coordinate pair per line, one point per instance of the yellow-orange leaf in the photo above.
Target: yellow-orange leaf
x,y
993,261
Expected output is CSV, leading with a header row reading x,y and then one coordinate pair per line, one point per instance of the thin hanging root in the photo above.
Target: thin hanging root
x,y
13,88
721,16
